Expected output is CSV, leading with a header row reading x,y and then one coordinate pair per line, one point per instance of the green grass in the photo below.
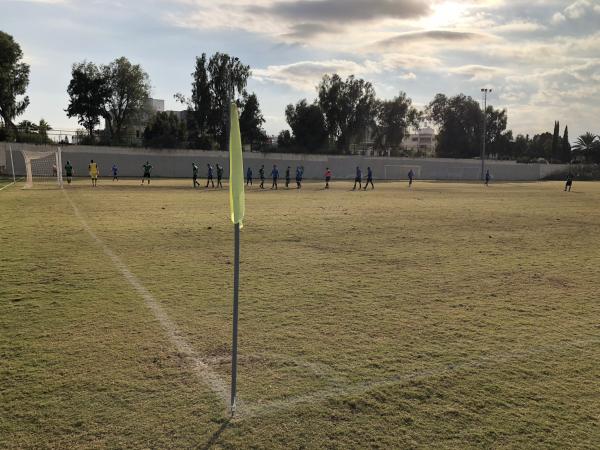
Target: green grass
x,y
448,316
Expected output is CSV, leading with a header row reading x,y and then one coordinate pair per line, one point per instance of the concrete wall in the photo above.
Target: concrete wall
x,y
178,164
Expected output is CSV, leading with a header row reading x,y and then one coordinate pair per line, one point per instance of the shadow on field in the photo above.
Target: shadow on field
x,y
216,435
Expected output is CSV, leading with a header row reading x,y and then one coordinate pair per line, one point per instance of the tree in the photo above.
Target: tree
x,y
460,122
566,155
308,126
27,127
541,146
165,130
520,148
215,83
350,107
129,89
394,117
88,94
14,79
556,147
459,119
43,128
284,139
497,138
251,121
33,132
587,146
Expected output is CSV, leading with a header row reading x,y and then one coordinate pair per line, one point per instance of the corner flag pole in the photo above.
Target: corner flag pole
x,y
237,206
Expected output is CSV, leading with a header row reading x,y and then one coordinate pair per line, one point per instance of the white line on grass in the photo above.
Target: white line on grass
x,y
200,367
7,186
360,388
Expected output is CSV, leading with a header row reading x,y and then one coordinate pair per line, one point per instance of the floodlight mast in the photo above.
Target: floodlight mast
x,y
485,93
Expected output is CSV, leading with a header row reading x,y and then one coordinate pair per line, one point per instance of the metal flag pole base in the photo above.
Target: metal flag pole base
x,y
236,286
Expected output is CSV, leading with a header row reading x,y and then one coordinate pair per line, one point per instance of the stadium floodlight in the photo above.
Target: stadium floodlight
x,y
237,206
485,93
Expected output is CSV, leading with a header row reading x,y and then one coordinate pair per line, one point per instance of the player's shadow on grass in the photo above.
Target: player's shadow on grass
x,y
216,435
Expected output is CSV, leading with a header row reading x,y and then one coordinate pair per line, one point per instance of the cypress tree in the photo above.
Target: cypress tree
x,y
556,150
566,147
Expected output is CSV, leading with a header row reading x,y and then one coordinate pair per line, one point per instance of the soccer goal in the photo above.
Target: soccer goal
x,y
43,166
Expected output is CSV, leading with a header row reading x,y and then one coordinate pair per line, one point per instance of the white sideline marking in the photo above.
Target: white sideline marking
x,y
275,406
201,369
7,186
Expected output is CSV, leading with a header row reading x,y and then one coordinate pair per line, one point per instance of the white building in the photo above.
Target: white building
x,y
420,143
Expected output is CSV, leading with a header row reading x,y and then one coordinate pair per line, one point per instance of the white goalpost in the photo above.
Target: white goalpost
x,y
43,166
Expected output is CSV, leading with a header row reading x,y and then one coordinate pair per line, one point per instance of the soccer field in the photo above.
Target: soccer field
x,y
446,316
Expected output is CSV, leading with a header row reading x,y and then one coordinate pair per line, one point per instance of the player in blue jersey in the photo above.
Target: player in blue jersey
x,y
195,174
275,176
261,173
249,176
369,178
219,175
287,177
115,172
209,176
411,177
357,179
299,174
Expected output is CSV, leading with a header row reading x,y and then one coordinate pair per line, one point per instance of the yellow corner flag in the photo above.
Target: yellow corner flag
x,y
236,169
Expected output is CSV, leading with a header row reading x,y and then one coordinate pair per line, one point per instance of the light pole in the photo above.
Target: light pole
x,y
485,93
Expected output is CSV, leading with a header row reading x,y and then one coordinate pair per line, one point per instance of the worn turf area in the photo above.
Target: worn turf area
x,y
446,316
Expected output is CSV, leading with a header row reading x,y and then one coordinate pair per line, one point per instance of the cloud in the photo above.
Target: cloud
x,y
305,75
302,31
576,11
407,76
344,10
558,18
427,36
518,27
477,72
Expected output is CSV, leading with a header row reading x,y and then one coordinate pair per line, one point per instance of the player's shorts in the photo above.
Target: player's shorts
x,y
569,183
146,175
328,179
93,176
358,180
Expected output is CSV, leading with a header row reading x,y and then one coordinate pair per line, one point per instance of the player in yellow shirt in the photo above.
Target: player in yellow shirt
x,y
93,169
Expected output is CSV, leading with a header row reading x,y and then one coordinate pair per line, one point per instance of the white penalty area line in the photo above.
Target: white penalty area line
x,y
10,184
199,366
361,388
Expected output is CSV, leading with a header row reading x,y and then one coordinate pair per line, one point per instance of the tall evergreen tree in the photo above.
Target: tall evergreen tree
x,y
14,78
556,150
565,156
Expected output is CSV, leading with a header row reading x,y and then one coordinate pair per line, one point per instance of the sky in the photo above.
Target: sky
x,y
540,58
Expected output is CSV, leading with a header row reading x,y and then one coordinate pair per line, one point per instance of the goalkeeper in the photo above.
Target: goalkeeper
x,y
69,171
147,169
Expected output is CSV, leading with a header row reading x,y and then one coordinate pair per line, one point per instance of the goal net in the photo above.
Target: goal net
x,y
43,166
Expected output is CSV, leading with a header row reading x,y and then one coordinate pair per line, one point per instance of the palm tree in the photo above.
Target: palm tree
x,y
587,145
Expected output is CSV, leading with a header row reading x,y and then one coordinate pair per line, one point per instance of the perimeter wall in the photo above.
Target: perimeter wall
x,y
171,163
